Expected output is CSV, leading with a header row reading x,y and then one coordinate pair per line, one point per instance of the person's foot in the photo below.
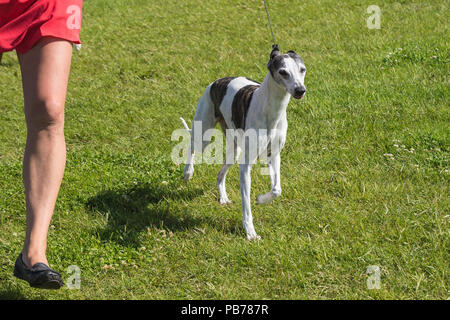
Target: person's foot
x,y
38,276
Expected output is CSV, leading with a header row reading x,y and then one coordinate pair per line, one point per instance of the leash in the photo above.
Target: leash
x,y
270,24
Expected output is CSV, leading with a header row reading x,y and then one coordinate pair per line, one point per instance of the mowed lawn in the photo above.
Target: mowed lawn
x,y
365,170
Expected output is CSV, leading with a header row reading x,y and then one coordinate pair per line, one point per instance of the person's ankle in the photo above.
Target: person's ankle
x,y
30,258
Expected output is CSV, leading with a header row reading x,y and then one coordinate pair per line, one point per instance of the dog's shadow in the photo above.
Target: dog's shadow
x,y
130,211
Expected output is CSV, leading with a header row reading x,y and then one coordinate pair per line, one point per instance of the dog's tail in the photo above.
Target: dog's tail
x,y
185,125
189,168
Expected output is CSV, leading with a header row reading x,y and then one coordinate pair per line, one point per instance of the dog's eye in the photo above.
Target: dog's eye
x,y
284,73
302,70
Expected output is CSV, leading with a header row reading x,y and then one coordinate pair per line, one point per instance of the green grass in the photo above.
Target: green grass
x,y
365,170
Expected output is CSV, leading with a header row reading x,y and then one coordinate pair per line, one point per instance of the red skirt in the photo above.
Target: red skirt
x,y
24,22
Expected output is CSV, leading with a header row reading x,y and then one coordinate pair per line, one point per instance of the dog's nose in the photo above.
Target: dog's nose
x,y
299,92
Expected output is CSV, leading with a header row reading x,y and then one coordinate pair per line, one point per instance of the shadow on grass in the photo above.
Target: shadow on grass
x,y
9,293
132,210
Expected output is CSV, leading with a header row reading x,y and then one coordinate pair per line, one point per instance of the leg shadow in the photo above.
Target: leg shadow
x,y
10,293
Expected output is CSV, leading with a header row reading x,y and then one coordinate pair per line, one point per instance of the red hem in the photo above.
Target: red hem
x,y
22,48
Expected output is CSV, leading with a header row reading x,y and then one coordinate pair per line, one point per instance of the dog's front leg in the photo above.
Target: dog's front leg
x,y
274,171
247,219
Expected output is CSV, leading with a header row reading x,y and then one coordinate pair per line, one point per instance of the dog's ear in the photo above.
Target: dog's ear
x,y
295,56
275,51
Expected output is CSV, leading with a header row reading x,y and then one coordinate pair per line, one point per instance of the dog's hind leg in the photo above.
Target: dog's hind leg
x,y
221,184
221,176
204,119
188,171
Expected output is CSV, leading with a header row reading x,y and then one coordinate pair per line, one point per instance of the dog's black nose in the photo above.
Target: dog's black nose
x,y
299,92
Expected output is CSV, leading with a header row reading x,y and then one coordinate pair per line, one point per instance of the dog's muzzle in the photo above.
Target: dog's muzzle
x,y
299,92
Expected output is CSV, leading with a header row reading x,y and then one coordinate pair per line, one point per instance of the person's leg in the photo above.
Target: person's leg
x,y
45,72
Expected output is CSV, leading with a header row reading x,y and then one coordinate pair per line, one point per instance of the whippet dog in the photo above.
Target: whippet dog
x,y
242,105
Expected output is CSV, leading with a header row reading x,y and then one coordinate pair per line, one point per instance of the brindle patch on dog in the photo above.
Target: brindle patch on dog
x,y
241,103
218,92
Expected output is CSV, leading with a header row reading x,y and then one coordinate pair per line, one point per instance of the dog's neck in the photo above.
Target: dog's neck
x,y
275,99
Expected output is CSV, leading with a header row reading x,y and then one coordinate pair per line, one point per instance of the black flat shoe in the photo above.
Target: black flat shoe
x,y
39,276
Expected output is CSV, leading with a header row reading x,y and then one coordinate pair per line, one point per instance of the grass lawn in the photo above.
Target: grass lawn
x,y
365,170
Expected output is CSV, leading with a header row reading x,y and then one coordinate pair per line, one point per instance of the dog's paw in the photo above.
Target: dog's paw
x,y
253,237
187,174
225,201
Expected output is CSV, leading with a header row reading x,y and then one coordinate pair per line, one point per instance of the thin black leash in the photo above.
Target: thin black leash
x,y
270,24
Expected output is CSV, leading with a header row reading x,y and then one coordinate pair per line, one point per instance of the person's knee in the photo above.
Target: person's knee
x,y
46,115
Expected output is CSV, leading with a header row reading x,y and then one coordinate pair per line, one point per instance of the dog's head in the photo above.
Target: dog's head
x,y
288,70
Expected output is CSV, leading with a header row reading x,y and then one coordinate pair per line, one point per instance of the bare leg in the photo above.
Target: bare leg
x,y
45,72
